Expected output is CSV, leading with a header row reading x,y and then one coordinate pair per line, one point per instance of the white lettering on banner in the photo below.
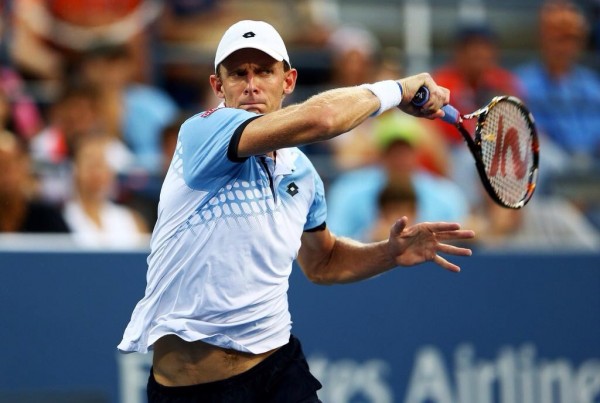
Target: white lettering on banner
x,y
346,380
514,376
429,379
134,369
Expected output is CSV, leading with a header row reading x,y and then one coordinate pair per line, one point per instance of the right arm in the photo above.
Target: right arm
x,y
330,114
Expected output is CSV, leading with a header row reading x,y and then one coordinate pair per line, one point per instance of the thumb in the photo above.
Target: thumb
x,y
399,226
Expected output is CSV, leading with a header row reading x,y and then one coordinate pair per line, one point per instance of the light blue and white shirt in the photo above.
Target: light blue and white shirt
x,y
227,234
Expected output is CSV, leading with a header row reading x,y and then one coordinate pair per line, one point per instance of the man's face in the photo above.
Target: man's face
x,y
93,175
475,57
252,80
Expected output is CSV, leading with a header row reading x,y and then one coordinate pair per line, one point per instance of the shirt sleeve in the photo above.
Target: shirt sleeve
x,y
318,210
205,140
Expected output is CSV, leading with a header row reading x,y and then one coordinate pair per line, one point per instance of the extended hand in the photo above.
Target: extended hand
x,y
422,242
438,96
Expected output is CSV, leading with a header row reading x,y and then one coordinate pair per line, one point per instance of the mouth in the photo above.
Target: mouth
x,y
252,106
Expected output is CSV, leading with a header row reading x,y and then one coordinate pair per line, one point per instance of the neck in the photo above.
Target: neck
x,y
557,66
92,207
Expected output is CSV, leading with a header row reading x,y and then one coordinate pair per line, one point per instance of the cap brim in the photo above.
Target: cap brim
x,y
245,45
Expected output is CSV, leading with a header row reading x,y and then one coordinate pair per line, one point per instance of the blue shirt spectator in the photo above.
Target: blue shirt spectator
x,y
563,95
148,111
353,207
137,112
353,200
566,108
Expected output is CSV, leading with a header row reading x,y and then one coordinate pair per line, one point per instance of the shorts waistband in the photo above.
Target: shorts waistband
x,y
278,359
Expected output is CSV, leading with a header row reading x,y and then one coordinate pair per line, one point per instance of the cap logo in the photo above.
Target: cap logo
x,y
249,35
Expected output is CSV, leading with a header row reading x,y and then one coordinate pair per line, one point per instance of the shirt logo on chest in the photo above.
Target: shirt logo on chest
x,y
292,189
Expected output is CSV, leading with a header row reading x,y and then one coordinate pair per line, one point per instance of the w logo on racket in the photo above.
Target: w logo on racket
x,y
507,162
505,141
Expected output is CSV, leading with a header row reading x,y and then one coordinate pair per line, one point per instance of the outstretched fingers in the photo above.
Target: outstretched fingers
x,y
446,264
450,250
454,250
455,234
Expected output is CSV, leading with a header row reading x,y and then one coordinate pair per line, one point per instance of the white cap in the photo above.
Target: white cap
x,y
252,34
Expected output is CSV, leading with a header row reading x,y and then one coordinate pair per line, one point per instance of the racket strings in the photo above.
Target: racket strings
x,y
506,147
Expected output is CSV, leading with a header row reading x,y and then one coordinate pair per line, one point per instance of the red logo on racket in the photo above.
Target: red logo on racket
x,y
504,142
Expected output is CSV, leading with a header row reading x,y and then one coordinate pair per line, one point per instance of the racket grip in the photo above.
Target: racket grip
x,y
421,97
451,115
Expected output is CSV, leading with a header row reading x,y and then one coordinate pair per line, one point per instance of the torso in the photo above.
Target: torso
x,y
180,363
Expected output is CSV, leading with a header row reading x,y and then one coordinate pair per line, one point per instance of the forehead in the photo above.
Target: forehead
x,y
248,56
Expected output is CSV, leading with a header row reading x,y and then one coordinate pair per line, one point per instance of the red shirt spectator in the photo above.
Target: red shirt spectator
x,y
474,75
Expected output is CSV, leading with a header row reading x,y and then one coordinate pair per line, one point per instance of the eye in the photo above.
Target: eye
x,y
238,73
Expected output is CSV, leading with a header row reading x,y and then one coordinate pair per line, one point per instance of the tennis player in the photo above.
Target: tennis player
x,y
239,204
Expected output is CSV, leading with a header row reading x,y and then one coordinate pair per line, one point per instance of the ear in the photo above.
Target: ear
x,y
217,86
289,81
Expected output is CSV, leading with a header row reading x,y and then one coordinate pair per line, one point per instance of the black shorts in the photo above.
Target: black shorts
x,y
282,377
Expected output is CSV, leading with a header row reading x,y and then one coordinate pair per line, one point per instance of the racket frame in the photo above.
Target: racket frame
x,y
474,145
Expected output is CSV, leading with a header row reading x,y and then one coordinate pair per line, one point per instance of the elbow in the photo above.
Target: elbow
x,y
319,279
324,121
319,274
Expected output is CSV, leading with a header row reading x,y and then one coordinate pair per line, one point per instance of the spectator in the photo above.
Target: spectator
x,y
49,36
143,193
94,219
353,195
473,76
73,116
136,113
190,22
355,55
397,199
75,113
20,212
546,224
24,118
564,96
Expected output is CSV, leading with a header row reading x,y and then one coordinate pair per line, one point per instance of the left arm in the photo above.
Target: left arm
x,y
327,259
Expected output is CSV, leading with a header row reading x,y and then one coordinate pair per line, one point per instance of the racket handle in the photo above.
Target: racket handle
x,y
421,97
451,115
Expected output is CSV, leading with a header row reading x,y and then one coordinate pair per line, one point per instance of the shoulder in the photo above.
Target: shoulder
x,y
365,176
214,124
142,91
445,74
216,116
438,185
529,70
357,182
125,217
504,74
147,96
587,74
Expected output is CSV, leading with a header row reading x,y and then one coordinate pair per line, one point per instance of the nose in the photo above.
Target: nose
x,y
250,83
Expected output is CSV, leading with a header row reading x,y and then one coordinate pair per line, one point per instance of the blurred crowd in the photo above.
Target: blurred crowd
x,y
92,96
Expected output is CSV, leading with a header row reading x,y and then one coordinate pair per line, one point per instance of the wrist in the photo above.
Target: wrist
x,y
389,93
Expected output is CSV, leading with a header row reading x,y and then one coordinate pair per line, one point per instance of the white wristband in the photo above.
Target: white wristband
x,y
389,93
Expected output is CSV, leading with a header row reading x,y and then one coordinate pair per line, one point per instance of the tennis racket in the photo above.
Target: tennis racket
x,y
505,147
